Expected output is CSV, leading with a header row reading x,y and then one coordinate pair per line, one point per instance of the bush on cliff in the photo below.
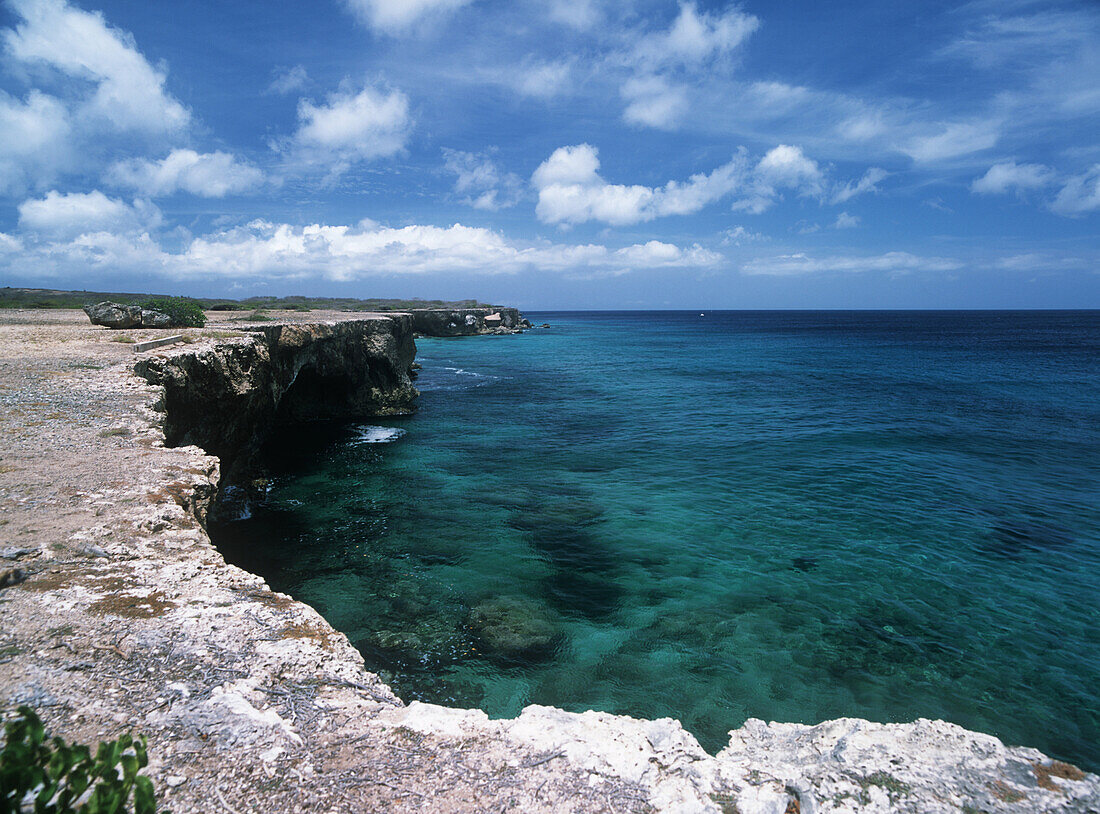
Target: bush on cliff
x,y
184,313
61,778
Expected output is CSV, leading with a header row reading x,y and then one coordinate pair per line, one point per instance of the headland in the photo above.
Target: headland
x,y
120,614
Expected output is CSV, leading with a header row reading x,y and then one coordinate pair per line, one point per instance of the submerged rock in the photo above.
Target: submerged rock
x,y
1011,539
514,627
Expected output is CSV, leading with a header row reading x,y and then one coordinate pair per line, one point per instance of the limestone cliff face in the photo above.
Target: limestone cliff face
x,y
462,321
226,398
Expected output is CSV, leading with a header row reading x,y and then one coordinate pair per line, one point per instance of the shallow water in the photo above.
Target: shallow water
x,y
791,516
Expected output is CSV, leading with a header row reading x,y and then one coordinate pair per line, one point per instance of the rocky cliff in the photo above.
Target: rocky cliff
x,y
227,397
127,618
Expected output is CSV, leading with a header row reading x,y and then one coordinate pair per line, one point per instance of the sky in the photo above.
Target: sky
x,y
557,154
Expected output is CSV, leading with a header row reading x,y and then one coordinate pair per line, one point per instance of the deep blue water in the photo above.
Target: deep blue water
x,y
786,515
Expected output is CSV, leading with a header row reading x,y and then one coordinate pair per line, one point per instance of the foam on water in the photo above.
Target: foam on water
x,y
377,435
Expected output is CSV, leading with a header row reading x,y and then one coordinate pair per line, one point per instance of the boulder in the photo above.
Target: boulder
x,y
514,627
493,321
113,315
155,319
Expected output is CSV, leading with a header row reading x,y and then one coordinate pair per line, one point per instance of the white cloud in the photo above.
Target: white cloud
x,y
351,127
799,264
578,14
398,16
73,214
129,92
739,234
35,143
693,42
954,140
787,166
868,183
654,102
571,190
1080,194
863,126
263,250
1008,175
288,80
9,244
695,38
846,221
481,183
543,79
782,167
209,175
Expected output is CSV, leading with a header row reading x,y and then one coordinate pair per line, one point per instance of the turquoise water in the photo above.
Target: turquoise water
x,y
791,516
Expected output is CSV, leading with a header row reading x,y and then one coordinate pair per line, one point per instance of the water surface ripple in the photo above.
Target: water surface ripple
x,y
791,516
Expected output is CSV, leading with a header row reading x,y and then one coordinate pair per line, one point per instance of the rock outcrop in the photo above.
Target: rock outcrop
x,y
467,321
226,398
114,315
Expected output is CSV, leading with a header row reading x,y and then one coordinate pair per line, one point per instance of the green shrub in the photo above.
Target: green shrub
x,y
184,313
59,778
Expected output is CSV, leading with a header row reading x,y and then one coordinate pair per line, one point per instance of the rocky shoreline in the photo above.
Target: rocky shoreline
x,y
120,614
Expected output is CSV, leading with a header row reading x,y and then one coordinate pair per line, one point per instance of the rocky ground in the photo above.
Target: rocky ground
x,y
118,614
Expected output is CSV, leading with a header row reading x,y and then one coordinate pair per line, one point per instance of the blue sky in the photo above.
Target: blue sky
x,y
557,153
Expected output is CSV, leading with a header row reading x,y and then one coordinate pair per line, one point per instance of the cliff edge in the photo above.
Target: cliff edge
x,y
124,616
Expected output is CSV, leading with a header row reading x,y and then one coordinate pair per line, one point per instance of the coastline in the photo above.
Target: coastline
x,y
209,662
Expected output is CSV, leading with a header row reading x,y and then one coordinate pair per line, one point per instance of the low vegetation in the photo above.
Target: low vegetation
x,y
185,313
54,777
48,298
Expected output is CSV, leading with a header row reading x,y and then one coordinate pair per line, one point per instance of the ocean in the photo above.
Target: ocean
x,y
714,516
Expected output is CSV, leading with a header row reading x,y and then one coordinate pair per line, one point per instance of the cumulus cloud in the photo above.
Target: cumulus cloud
x,y
868,183
571,190
782,167
398,16
265,250
800,264
787,166
35,145
349,128
482,184
1008,175
846,221
60,216
209,175
1080,194
129,93
288,80
694,38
